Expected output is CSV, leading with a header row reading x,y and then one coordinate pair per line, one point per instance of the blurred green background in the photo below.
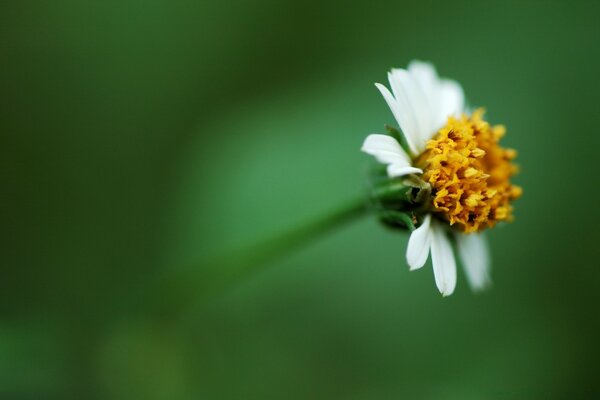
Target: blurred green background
x,y
140,137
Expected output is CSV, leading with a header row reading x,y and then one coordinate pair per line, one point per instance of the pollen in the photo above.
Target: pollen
x,y
470,173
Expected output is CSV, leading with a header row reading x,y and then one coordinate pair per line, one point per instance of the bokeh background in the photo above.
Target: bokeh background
x,y
143,137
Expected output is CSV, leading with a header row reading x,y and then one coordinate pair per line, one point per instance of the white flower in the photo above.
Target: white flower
x,y
421,103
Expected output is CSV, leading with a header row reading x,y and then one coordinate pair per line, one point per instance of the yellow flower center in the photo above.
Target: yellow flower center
x,y
470,173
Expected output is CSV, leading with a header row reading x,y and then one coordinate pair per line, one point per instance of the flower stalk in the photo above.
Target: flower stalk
x,y
173,293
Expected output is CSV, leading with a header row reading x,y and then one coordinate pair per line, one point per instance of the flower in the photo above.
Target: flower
x,y
457,156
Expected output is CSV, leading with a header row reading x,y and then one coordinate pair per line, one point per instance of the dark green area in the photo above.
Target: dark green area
x,y
142,137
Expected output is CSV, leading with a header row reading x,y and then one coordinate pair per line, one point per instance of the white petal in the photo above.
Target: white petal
x,y
394,170
385,149
405,87
445,97
475,258
424,73
442,258
403,115
419,244
452,100
421,102
427,78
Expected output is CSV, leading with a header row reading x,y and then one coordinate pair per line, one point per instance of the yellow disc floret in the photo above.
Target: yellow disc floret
x,y
470,173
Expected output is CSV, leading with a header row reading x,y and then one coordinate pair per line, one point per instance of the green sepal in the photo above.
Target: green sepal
x,y
398,219
399,201
393,190
404,192
421,190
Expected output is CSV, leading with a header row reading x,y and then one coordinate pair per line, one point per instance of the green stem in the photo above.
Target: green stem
x,y
176,291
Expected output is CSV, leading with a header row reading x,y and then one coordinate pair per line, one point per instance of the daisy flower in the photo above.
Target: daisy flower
x,y
446,178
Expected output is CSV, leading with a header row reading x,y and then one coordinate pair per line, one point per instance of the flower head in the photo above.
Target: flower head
x,y
455,158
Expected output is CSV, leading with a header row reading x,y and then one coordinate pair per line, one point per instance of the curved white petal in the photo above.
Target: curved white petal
x,y
445,97
475,258
421,102
442,258
385,149
395,170
403,114
452,100
419,244
427,78
405,86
